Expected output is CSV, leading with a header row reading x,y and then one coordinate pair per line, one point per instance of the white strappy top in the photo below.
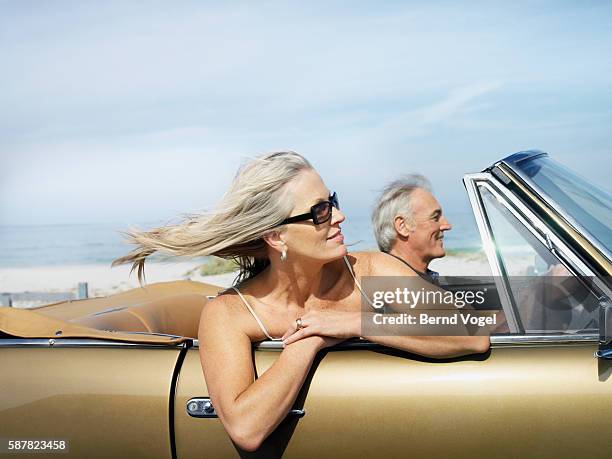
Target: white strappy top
x,y
260,323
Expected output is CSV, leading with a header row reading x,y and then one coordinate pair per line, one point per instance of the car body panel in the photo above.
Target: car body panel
x,y
105,401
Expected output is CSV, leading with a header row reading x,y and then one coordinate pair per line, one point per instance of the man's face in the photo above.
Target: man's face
x,y
426,238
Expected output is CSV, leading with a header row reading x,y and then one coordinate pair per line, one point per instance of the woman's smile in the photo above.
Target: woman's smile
x,y
337,237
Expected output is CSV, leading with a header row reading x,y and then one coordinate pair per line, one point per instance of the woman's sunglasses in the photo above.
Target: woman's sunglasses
x,y
319,213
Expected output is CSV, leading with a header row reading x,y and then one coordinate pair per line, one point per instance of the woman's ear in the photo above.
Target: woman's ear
x,y
275,240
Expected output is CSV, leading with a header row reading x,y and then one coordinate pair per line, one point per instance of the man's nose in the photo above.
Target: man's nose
x,y
445,224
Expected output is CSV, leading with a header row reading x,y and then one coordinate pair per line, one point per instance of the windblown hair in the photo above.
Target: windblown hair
x,y
256,202
395,201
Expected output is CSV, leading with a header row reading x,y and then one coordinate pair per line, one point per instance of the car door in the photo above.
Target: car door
x,y
530,396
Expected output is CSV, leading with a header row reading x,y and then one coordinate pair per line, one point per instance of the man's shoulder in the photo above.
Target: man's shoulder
x,y
378,264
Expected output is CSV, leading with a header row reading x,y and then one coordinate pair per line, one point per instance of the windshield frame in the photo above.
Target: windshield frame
x,y
514,161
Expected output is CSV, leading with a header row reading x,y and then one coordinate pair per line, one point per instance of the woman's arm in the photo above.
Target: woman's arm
x,y
342,324
249,409
348,324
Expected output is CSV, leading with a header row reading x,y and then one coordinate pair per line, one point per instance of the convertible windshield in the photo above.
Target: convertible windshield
x,y
586,204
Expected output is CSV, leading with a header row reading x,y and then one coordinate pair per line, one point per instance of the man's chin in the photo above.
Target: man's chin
x,y
439,254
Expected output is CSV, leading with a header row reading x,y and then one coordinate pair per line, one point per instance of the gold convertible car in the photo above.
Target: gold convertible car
x,y
120,376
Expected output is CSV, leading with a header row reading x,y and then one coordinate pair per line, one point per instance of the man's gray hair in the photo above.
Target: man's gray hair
x,y
395,201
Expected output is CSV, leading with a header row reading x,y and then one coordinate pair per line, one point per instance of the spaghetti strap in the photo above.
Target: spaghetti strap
x,y
350,268
261,325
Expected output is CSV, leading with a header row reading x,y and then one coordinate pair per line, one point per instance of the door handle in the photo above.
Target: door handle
x,y
202,407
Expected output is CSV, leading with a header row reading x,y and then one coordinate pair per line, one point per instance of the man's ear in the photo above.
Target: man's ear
x,y
400,226
275,240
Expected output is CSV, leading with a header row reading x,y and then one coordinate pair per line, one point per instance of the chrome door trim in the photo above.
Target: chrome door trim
x,y
77,342
495,262
357,344
496,341
512,340
278,346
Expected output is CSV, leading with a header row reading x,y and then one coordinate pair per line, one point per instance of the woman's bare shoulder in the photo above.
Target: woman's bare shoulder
x,y
378,264
221,310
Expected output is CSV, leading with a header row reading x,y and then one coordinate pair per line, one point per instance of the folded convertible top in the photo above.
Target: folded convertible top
x,y
166,308
23,323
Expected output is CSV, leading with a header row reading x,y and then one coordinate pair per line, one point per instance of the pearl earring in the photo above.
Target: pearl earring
x,y
283,256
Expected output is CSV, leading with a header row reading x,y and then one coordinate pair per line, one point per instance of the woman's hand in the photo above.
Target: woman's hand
x,y
328,324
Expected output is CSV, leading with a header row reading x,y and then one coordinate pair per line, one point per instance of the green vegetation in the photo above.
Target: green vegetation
x,y
216,265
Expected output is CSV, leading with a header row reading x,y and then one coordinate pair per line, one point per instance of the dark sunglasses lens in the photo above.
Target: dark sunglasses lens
x,y
321,212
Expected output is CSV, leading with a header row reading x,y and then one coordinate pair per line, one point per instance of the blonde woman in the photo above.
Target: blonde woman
x,y
282,224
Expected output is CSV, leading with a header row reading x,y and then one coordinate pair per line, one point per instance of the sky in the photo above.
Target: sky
x,y
132,111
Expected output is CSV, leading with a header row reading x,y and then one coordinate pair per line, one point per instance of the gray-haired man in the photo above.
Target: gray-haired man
x,y
409,224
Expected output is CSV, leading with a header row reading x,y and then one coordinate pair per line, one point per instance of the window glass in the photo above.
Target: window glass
x,y
587,204
548,298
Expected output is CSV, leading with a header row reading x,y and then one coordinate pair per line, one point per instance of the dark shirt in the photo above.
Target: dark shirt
x,y
429,275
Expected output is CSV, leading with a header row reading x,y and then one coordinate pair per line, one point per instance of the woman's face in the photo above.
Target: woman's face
x,y
323,242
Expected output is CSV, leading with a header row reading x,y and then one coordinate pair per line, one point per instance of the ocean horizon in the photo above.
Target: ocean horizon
x,y
101,243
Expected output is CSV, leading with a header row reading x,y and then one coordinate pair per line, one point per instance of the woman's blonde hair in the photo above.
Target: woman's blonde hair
x,y
256,202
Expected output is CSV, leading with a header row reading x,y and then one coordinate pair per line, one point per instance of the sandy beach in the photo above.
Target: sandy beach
x,y
103,280
468,264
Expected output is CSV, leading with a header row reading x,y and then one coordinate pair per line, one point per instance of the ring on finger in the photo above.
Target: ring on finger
x,y
298,323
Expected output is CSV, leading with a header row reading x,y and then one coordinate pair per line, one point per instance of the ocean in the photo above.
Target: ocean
x,y
101,243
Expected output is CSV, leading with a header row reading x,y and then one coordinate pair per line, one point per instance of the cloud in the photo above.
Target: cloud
x,y
457,102
179,95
